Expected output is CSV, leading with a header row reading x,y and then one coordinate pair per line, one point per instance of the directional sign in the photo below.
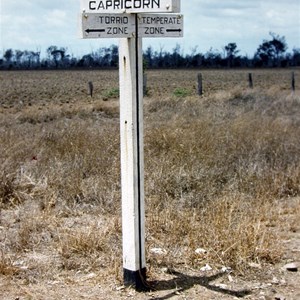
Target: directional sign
x,y
124,26
130,6
160,25
108,25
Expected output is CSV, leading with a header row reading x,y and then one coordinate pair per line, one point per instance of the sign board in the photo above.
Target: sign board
x,y
160,25
130,6
124,25
107,25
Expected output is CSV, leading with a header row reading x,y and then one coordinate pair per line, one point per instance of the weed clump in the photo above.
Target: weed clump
x,y
112,93
182,92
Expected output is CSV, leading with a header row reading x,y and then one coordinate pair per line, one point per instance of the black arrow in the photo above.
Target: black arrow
x,y
94,30
173,30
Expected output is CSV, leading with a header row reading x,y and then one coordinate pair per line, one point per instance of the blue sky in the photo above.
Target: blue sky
x,y
37,24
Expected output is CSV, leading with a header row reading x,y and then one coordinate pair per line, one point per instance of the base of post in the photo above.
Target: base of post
x,y
136,279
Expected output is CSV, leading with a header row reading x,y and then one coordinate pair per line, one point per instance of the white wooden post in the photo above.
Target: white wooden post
x,y
132,161
130,22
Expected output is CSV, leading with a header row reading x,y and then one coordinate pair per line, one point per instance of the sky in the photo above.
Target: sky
x,y
37,24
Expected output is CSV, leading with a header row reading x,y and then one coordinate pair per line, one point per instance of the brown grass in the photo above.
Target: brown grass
x,y
7,267
215,167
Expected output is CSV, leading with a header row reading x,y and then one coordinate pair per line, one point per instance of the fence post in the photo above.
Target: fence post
x,y
293,82
200,85
250,79
91,88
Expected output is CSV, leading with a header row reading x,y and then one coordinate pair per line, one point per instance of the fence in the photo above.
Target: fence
x,y
253,80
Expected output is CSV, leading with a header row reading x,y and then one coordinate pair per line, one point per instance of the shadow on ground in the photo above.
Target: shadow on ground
x,y
184,282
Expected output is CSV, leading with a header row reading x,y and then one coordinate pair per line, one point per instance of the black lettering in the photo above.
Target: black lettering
x,y
156,2
127,6
117,30
123,4
109,4
137,3
146,3
116,4
173,20
154,30
101,5
157,30
91,5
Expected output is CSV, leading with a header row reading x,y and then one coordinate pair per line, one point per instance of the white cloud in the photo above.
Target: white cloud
x,y
28,24
216,23
56,18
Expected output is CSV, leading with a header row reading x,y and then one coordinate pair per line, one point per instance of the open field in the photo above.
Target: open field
x,y
222,173
60,87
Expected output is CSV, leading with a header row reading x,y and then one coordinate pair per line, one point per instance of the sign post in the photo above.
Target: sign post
x,y
131,20
132,161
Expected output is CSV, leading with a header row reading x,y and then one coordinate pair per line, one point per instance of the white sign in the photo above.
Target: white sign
x,y
124,25
160,25
130,6
107,25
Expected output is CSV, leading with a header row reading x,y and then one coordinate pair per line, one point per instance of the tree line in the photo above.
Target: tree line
x,y
270,53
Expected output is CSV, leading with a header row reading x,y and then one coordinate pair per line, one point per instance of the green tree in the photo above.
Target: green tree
x,y
296,57
148,57
58,55
18,55
8,55
231,53
271,52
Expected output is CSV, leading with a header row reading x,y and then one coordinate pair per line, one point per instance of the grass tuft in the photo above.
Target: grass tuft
x,y
181,92
7,267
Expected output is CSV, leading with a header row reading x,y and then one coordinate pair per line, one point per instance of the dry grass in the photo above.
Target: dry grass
x,y
214,168
231,230
92,248
7,267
